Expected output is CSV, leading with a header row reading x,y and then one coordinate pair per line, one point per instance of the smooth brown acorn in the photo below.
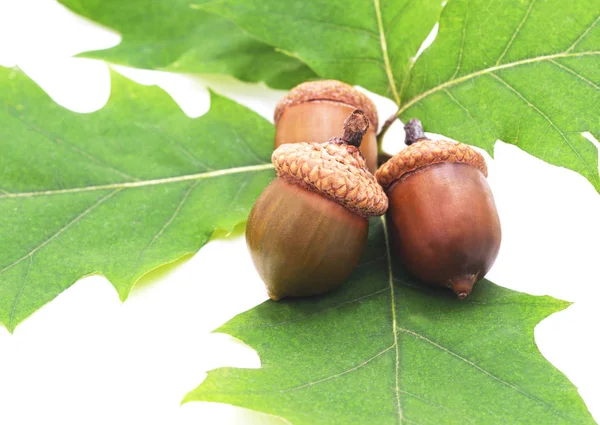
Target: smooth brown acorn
x,y
315,111
307,230
443,220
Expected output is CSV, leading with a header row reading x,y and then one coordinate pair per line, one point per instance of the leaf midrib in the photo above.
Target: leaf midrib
x,y
394,325
396,329
547,118
485,71
142,183
490,71
384,51
31,253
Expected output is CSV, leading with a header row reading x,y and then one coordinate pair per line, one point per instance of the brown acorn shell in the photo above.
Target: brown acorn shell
x,y
328,90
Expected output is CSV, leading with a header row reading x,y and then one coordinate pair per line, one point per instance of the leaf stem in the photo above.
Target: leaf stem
x,y
355,126
414,132
384,51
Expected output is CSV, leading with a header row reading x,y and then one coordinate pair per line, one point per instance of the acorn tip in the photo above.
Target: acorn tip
x,y
463,286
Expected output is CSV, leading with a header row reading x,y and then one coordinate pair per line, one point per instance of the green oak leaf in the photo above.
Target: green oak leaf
x,y
369,43
118,192
172,35
527,73
386,350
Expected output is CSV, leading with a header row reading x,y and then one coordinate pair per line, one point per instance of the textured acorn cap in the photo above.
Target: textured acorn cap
x,y
427,152
328,90
337,171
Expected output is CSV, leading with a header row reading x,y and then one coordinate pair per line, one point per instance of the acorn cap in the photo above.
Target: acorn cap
x,y
328,90
427,152
337,171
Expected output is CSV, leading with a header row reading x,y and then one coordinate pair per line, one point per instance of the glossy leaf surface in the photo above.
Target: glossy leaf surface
x,y
172,35
385,349
118,192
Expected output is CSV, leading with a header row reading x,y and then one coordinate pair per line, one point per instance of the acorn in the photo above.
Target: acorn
x,y
315,111
308,229
442,217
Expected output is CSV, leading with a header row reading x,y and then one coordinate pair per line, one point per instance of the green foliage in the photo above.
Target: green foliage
x,y
387,350
525,73
341,39
173,36
118,192
138,184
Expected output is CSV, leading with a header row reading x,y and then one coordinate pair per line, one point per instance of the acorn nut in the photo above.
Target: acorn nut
x,y
307,230
442,216
315,111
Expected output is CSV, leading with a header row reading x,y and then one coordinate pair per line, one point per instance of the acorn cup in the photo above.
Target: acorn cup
x,y
308,229
442,216
315,111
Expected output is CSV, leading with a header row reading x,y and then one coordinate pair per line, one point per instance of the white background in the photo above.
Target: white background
x,y
86,358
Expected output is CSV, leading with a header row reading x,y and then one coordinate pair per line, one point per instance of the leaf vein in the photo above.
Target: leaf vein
x,y
547,118
384,50
461,106
307,316
462,45
591,83
13,307
157,130
53,139
482,370
516,33
583,35
492,69
249,149
61,230
143,183
324,23
394,324
337,375
434,404
166,224
239,191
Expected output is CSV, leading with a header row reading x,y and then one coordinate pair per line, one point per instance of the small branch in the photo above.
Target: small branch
x,y
355,127
414,132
